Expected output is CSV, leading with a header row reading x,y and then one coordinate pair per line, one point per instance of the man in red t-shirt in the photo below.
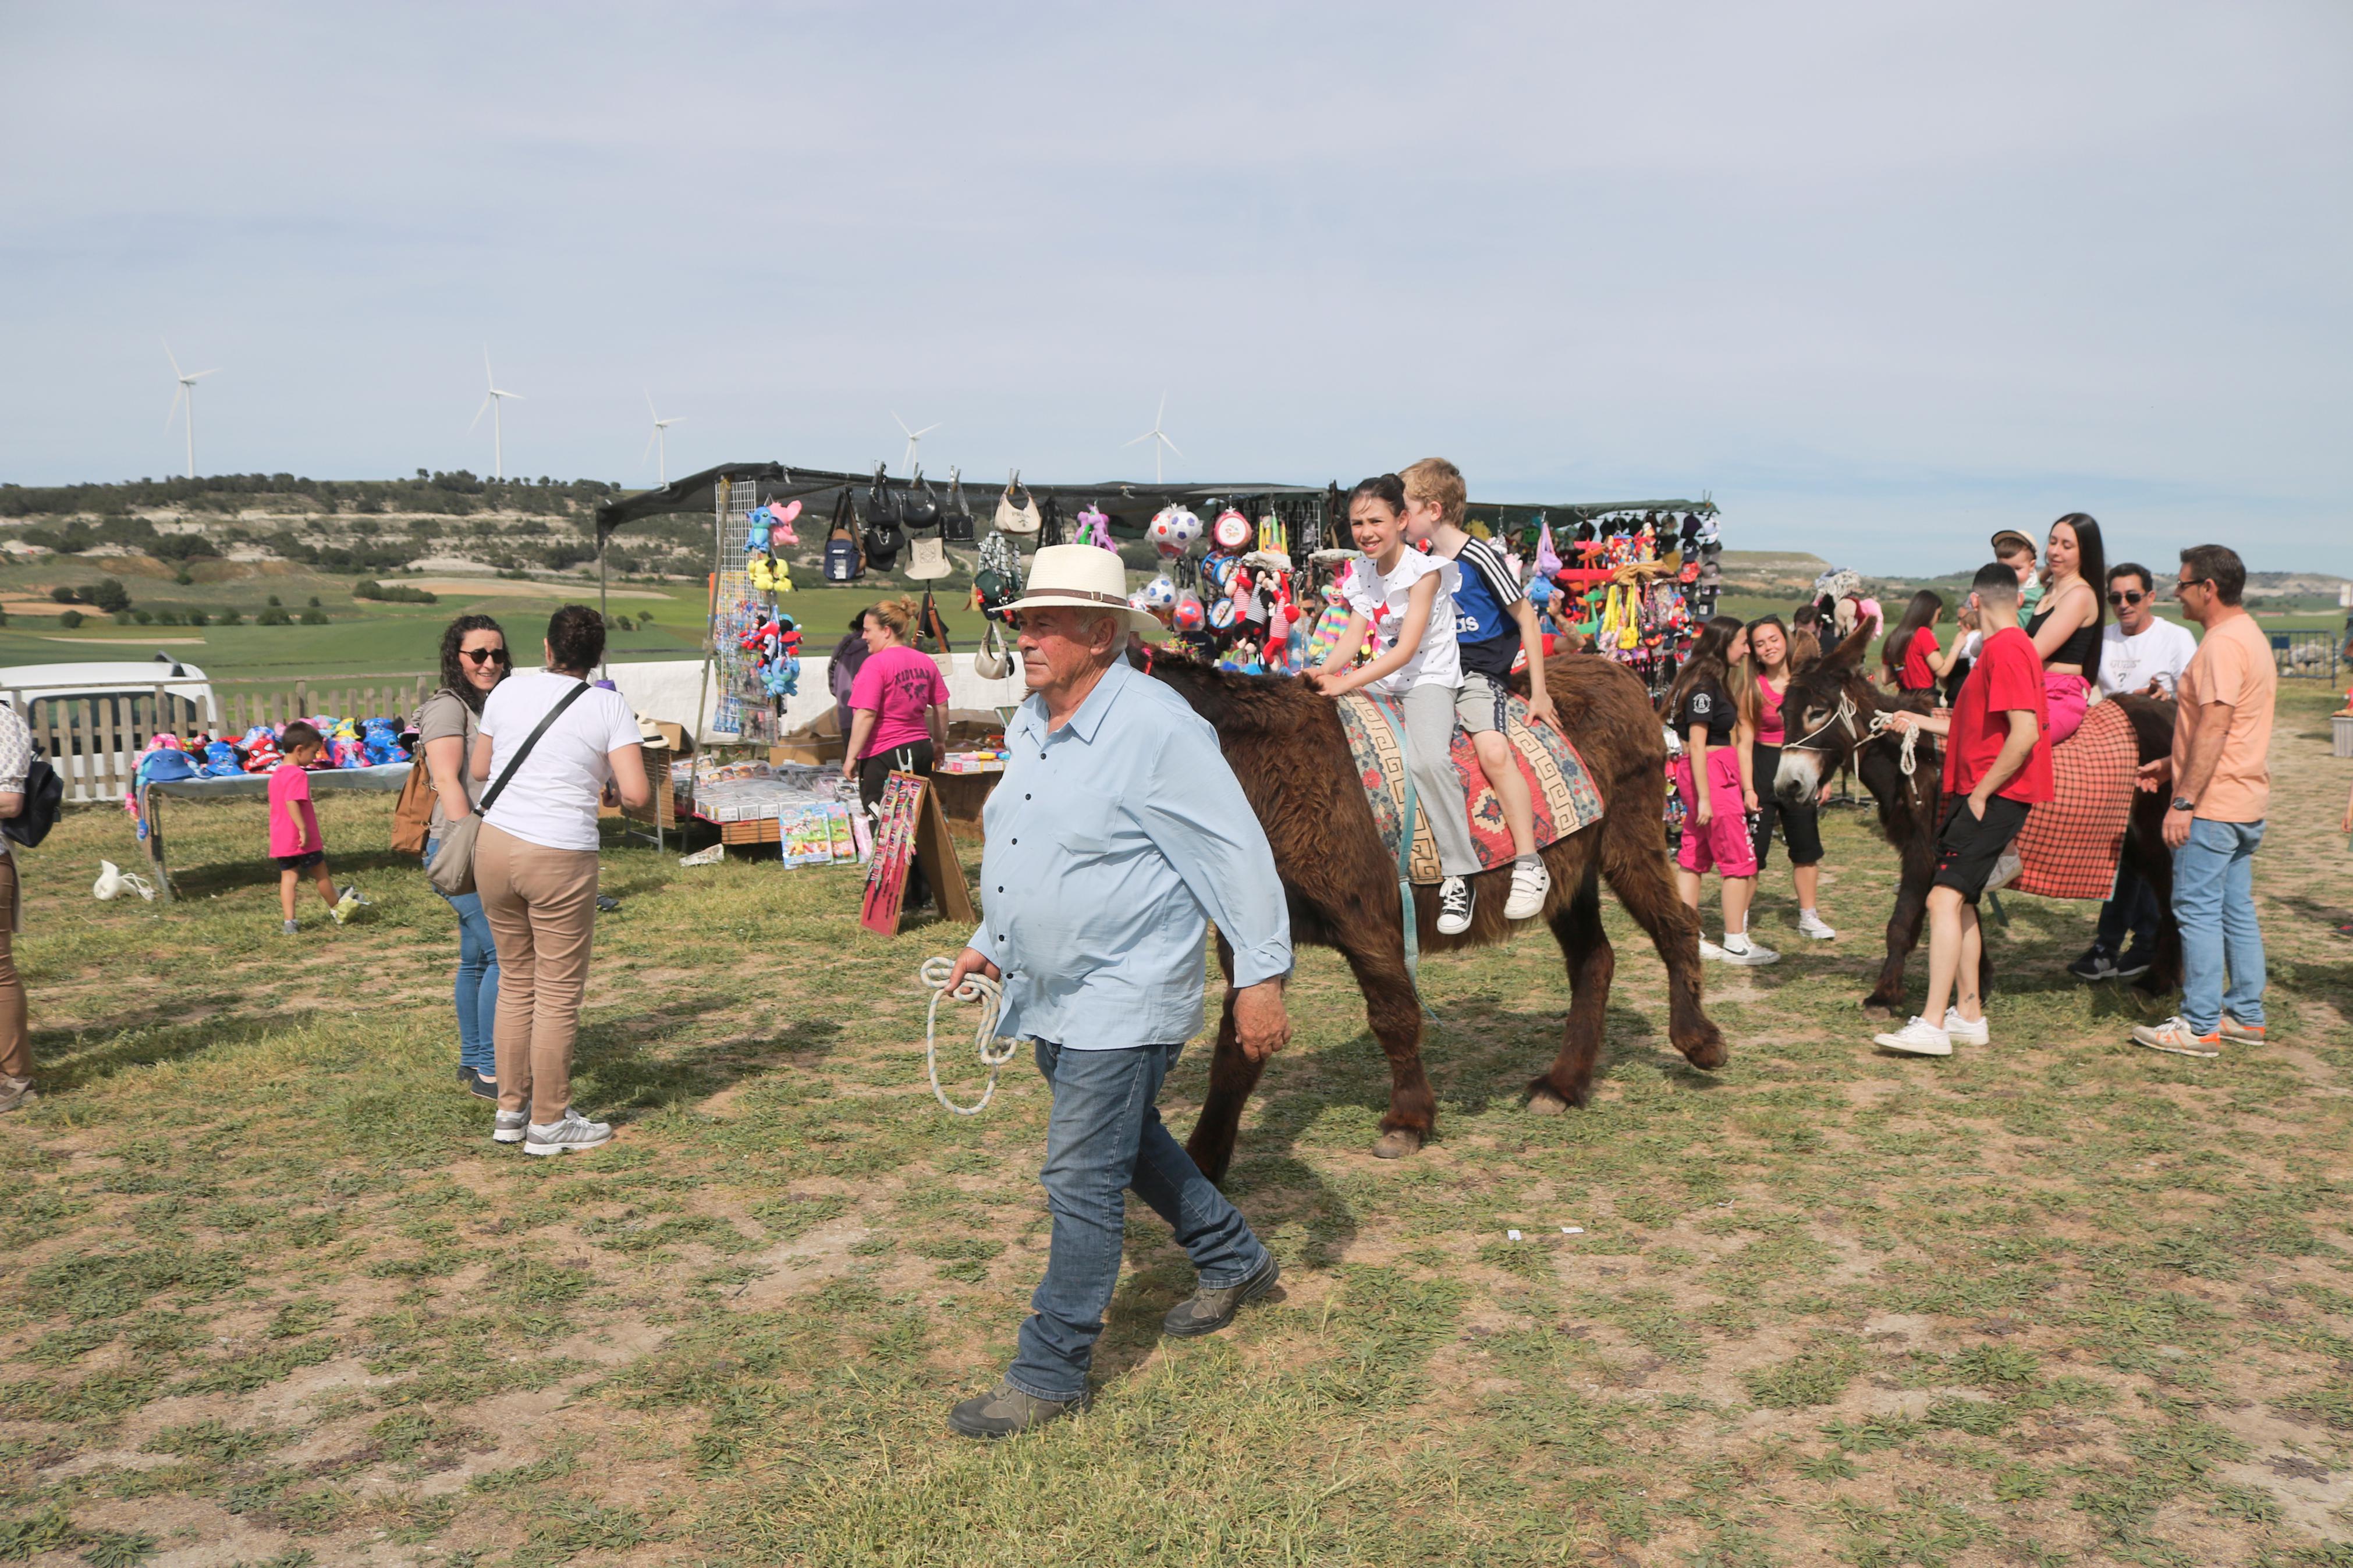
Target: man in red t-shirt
x,y
1996,763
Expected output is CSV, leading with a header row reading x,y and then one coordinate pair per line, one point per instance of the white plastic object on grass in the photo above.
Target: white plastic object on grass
x,y
709,857
113,881
994,1052
1572,1230
1511,1235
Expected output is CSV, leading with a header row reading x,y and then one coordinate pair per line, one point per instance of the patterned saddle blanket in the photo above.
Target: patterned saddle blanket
x,y
2069,845
1558,783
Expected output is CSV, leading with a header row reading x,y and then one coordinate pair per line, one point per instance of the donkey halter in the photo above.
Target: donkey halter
x,y
1881,722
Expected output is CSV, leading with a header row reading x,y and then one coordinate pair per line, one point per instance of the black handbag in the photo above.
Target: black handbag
x,y
884,537
919,507
1050,522
44,795
956,516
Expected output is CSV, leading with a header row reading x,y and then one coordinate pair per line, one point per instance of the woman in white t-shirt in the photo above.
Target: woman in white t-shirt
x,y
1408,598
535,868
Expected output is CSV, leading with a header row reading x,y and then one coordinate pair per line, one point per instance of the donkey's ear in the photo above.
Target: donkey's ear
x,y
1849,653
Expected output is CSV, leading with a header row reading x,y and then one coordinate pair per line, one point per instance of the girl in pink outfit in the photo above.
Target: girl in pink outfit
x,y
2066,627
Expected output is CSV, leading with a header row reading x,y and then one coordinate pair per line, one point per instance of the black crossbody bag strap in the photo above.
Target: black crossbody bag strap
x,y
567,700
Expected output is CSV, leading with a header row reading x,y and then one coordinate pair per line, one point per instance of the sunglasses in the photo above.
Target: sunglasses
x,y
483,655
2127,597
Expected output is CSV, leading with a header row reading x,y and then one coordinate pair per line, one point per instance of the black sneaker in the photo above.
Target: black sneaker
x,y
1205,1312
478,1086
1453,906
2134,962
2097,965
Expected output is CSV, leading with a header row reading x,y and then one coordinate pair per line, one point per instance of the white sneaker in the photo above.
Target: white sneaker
x,y
1809,924
1917,1038
1709,950
507,1126
1530,883
1968,1034
1747,952
574,1131
1453,907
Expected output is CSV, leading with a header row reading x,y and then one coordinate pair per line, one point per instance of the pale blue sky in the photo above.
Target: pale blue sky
x,y
1882,278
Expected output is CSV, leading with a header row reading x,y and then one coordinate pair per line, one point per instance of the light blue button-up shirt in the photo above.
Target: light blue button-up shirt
x,y
1112,843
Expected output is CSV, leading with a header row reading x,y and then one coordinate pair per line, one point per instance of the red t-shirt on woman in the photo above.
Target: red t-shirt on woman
x,y
1916,676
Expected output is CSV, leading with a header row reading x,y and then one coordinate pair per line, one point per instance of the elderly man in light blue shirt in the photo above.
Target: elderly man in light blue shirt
x,y
1115,834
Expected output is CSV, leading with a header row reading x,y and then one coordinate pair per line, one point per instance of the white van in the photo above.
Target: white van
x,y
91,721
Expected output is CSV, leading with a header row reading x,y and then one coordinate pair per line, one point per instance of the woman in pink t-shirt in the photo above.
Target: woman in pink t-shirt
x,y
898,711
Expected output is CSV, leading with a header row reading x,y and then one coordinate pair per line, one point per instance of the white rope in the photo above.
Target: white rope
x,y
1881,722
994,1052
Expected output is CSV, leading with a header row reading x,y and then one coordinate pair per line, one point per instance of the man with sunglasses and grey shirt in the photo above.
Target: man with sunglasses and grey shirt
x,y
2140,655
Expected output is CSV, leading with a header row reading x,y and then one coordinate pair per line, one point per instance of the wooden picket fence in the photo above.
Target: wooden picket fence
x,y
94,740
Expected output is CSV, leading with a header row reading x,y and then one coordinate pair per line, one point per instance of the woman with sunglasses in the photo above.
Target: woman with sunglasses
x,y
473,660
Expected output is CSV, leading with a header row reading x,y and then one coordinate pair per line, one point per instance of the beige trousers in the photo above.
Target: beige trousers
x,y
542,906
15,1039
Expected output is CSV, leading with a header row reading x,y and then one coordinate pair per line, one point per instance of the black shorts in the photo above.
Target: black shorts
x,y
1968,845
1801,825
300,862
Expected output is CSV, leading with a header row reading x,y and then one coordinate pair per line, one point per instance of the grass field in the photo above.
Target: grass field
x,y
269,1295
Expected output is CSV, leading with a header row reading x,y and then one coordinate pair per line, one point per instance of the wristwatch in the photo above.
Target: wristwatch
x,y
2183,803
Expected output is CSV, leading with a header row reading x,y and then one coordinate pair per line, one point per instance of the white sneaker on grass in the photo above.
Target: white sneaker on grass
x,y
1530,883
1917,1038
574,1131
1809,924
1962,1029
507,1126
1741,949
1709,950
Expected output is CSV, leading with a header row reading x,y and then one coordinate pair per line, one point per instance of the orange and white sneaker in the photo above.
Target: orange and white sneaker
x,y
2176,1036
2245,1034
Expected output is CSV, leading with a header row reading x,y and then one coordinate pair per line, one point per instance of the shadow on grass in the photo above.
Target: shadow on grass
x,y
212,878
72,1060
635,1069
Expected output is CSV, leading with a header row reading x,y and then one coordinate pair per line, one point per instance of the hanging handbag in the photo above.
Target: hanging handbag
x,y
1049,523
932,627
1017,519
930,562
452,871
843,561
919,507
989,661
955,517
885,537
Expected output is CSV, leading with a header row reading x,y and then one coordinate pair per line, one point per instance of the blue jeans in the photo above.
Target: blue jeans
x,y
1104,1139
2130,910
2214,902
477,991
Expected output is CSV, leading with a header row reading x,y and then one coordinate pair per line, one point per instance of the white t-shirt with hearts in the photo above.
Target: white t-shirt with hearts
x,y
1381,598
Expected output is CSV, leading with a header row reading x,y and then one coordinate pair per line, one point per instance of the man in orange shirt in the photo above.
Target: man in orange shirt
x,y
2220,774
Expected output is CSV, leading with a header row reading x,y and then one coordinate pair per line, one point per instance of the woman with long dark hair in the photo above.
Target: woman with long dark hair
x,y
1713,779
1910,657
2066,625
1764,681
473,661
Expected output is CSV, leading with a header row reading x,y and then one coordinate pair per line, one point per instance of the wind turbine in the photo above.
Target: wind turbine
x,y
660,437
1158,437
914,440
187,393
491,402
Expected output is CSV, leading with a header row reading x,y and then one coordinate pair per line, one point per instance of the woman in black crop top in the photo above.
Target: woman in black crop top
x,y
2066,629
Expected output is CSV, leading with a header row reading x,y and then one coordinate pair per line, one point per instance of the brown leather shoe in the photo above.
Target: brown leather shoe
x,y
1205,1312
1005,1410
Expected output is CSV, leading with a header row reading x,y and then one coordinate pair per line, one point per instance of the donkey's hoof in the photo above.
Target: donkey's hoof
x,y
1546,1101
1396,1143
1877,1010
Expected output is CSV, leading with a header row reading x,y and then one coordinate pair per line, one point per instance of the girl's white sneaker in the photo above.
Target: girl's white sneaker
x,y
1530,883
1962,1029
1917,1038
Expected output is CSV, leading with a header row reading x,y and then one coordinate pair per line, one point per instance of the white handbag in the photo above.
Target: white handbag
x,y
931,560
989,661
1016,519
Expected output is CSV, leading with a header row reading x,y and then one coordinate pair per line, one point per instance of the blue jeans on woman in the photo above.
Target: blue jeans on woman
x,y
477,993
2214,904
1103,1139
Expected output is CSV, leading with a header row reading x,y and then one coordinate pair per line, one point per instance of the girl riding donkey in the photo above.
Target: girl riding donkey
x,y
1408,598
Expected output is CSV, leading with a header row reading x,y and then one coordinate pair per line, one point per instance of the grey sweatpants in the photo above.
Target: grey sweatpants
x,y
1436,787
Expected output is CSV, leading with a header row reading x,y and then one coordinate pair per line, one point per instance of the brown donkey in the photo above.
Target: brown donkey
x,y
1284,743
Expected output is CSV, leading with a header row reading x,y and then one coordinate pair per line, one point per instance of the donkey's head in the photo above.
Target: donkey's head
x,y
1825,716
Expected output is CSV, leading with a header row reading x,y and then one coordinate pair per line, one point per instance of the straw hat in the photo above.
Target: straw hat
x,y
1082,577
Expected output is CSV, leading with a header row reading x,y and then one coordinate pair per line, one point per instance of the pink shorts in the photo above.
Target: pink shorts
x,y
2066,698
1723,845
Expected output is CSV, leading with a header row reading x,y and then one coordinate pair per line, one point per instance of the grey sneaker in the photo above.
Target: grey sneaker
x,y
574,1131
16,1093
1206,1311
1005,1410
290,928
509,1126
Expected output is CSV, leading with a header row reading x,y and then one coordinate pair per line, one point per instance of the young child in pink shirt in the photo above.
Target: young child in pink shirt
x,y
294,841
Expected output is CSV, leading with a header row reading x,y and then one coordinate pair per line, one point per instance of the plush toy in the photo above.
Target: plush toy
x,y
1095,528
780,522
769,574
755,532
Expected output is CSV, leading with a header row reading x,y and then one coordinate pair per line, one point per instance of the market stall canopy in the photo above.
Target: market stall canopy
x,y
699,493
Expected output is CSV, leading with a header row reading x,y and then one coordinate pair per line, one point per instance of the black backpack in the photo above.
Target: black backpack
x,y
44,794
